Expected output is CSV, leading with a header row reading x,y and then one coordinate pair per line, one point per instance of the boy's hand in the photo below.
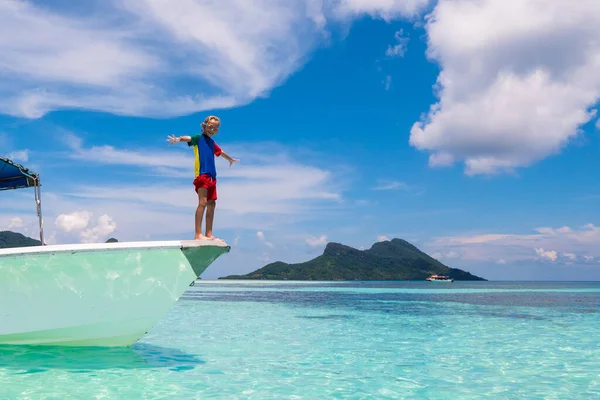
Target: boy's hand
x,y
229,158
172,139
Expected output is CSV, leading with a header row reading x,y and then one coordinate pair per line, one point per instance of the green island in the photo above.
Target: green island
x,y
10,239
394,259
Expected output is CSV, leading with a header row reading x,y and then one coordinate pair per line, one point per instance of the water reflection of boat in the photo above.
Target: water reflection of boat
x,y
439,278
32,359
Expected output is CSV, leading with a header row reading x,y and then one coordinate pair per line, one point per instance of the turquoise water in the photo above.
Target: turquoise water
x,y
351,340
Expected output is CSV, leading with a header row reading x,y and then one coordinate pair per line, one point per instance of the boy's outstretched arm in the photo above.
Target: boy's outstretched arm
x,y
173,139
228,158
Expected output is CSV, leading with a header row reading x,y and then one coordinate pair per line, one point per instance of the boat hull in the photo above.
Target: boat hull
x,y
95,295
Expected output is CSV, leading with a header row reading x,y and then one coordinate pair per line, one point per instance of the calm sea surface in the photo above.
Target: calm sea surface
x,y
350,340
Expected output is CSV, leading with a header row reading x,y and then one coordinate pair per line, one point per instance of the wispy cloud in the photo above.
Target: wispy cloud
x,y
387,82
399,49
261,236
385,9
19,156
274,185
160,58
314,241
15,223
391,185
554,244
132,61
167,163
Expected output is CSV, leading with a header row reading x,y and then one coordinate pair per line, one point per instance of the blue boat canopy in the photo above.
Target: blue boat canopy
x,y
15,176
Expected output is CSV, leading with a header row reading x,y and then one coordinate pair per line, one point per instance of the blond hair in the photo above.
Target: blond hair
x,y
209,119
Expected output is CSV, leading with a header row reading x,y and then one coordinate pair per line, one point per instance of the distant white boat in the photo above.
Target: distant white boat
x,y
102,294
439,278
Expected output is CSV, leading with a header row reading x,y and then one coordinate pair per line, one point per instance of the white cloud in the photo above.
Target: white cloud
x,y
75,221
385,9
550,254
268,192
261,236
277,185
19,156
554,231
104,227
387,82
598,123
150,57
382,238
450,255
572,245
160,58
441,159
518,79
15,222
391,185
78,222
175,160
313,241
399,49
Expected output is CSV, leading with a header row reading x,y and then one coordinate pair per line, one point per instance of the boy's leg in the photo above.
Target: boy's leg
x,y
210,217
210,211
200,213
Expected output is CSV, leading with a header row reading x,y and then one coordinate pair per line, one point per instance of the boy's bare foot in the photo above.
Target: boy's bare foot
x,y
211,237
200,237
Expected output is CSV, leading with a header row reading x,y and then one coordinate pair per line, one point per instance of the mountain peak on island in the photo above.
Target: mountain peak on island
x,y
335,248
396,243
394,259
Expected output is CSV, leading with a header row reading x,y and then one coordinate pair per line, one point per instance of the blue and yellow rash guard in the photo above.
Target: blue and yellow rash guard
x,y
205,150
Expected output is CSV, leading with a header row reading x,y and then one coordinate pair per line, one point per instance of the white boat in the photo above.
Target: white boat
x,y
439,278
101,294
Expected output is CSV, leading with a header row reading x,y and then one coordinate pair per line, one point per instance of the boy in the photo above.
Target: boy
x,y
205,183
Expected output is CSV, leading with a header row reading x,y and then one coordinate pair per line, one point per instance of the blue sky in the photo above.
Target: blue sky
x,y
355,121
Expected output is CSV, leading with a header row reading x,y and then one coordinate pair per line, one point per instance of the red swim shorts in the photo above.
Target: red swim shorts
x,y
206,182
